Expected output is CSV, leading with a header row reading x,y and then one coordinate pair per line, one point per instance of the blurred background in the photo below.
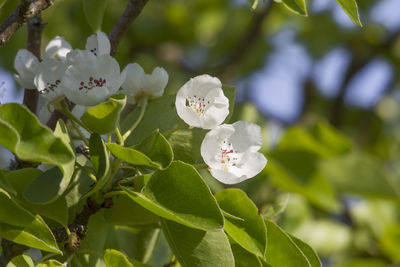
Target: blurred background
x,y
325,91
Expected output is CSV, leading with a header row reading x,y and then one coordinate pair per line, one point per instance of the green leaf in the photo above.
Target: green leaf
x,y
243,258
157,148
361,174
282,250
132,156
113,258
309,252
94,12
160,114
20,179
137,243
197,248
5,185
137,215
50,263
297,6
350,7
179,194
22,133
104,118
186,144
250,232
21,261
100,162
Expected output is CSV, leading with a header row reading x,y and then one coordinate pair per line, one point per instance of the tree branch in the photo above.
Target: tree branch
x,y
26,10
35,28
131,12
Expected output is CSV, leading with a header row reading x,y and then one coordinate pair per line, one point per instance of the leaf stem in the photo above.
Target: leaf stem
x,y
65,110
120,139
200,166
143,105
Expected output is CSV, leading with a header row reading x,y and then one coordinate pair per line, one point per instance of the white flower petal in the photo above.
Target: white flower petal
x,y
90,80
26,65
98,44
49,76
203,95
230,152
58,48
134,81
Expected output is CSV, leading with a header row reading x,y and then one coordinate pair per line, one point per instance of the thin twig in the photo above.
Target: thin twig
x,y
26,10
131,12
35,28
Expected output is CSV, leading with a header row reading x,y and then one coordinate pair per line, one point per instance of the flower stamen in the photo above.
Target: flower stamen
x,y
197,104
92,83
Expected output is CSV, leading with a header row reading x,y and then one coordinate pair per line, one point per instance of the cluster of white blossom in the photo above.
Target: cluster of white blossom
x,y
230,150
86,77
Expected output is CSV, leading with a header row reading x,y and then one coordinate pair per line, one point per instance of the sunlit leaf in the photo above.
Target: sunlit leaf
x,y
350,7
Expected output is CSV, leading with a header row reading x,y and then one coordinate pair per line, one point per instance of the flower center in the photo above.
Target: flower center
x,y
92,83
94,51
228,155
197,104
50,87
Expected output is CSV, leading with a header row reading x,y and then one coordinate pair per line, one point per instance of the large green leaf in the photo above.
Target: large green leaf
x,y
186,144
94,12
360,174
104,118
282,250
132,156
250,231
100,162
296,6
350,7
243,258
180,194
114,258
161,114
22,133
21,261
308,251
157,148
20,179
22,227
197,248
137,215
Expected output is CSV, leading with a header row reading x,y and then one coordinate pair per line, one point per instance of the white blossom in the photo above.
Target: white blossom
x,y
28,65
98,44
48,78
230,151
139,83
91,79
201,102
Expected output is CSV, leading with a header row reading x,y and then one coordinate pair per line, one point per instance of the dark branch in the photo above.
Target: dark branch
x,y
35,28
26,10
131,12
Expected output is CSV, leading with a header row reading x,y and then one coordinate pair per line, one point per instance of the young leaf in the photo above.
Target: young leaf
x,y
157,148
350,7
282,250
50,263
113,258
21,261
253,3
104,118
180,194
100,161
297,6
250,232
197,248
132,156
22,133
94,12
